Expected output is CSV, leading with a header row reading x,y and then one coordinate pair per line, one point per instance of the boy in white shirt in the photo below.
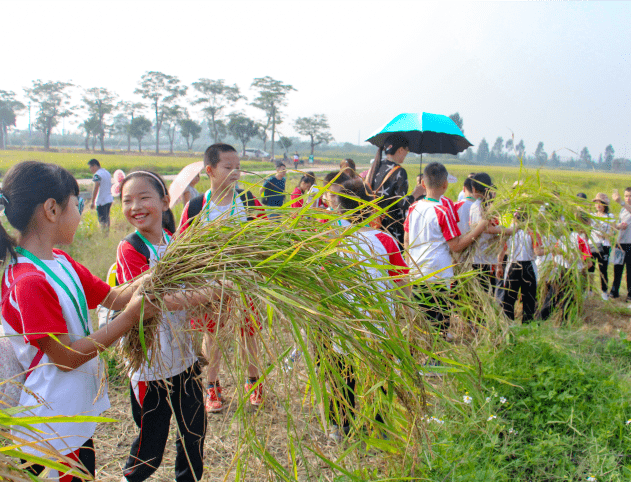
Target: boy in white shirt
x,y
431,235
102,193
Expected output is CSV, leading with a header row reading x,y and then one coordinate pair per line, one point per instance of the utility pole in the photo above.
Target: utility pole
x,y
273,127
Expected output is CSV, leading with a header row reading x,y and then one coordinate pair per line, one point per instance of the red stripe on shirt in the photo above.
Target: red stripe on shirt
x,y
394,254
448,225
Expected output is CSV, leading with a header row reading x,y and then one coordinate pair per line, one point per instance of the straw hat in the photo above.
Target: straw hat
x,y
601,197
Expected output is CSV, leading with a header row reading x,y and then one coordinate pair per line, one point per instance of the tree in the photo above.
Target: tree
x,y
160,89
483,151
540,155
521,149
91,128
609,152
272,96
9,107
139,128
316,128
510,146
286,142
53,102
129,109
243,128
554,161
99,102
585,157
457,120
497,150
190,131
172,115
216,96
467,156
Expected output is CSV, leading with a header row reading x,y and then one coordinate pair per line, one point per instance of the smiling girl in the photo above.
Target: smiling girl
x,y
224,200
170,385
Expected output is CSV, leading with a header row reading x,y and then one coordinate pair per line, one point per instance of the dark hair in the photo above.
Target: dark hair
x,y
435,175
627,189
471,174
279,164
306,178
168,220
211,155
482,183
468,184
582,195
356,196
94,162
391,145
351,165
340,177
27,185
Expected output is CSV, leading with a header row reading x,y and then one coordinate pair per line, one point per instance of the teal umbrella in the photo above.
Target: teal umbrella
x,y
426,133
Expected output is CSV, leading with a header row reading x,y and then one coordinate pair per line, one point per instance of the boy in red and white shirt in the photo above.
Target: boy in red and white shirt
x,y
431,235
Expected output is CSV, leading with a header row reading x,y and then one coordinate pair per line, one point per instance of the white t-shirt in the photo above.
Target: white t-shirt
x,y
482,253
603,229
429,226
624,237
520,247
104,195
176,345
464,208
37,306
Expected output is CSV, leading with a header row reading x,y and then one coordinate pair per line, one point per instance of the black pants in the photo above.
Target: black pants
x,y
86,457
619,268
152,409
602,256
485,276
521,276
103,213
433,302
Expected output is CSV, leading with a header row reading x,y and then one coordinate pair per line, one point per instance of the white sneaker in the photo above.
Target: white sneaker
x,y
605,296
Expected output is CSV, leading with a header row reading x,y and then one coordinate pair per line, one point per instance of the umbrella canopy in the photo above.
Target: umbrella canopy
x,y
427,133
182,180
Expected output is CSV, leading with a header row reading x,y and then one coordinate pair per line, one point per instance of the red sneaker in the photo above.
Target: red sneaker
x,y
213,399
256,397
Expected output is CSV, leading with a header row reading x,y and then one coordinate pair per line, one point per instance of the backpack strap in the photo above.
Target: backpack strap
x,y
247,198
139,245
195,206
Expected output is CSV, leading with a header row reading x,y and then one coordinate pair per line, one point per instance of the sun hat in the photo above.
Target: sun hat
x,y
601,197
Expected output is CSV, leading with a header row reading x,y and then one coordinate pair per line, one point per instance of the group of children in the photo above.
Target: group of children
x,y
47,295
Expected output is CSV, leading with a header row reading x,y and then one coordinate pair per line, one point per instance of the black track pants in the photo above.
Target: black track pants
x,y
521,275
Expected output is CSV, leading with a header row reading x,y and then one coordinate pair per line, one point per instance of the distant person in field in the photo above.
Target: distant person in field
x,y
101,193
273,190
304,186
624,244
389,182
296,160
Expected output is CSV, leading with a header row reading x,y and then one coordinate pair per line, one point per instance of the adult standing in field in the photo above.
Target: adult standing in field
x,y
101,193
623,244
602,234
296,160
273,190
389,182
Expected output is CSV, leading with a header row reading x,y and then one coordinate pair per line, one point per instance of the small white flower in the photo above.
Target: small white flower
x,y
437,420
591,478
467,399
502,400
488,399
627,422
512,432
492,417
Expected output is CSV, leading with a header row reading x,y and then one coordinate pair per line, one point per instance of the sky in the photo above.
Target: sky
x,y
556,72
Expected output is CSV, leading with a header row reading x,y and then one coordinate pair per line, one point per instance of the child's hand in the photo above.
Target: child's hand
x,y
135,306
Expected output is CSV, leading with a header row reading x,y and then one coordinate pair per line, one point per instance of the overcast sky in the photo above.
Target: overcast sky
x,y
557,72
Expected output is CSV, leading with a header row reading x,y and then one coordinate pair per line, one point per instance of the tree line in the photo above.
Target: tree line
x,y
166,101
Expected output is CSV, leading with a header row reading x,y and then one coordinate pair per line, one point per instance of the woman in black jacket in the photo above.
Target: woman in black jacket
x,y
389,182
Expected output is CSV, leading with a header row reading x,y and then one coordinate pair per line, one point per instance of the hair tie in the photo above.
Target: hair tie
x,y
4,201
164,187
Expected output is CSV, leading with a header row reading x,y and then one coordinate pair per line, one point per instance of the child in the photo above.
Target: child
x,y
303,187
602,238
170,385
223,200
522,248
432,234
376,248
336,180
463,207
273,190
483,257
46,293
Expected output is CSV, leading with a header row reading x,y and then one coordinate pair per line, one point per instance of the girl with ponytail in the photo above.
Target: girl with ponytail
x,y
389,183
46,296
